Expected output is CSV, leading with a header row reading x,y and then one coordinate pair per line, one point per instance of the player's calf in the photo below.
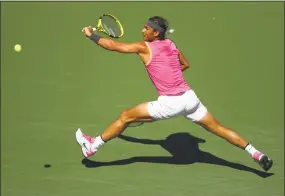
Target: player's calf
x,y
118,126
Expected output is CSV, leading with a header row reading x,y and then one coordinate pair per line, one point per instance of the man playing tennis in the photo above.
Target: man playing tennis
x,y
164,64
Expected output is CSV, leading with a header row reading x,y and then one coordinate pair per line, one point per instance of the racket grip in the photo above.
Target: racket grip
x,y
94,29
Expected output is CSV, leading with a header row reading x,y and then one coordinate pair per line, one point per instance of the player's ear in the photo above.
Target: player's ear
x,y
156,33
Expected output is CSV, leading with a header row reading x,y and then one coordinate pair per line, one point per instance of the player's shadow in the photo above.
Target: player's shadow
x,y
184,149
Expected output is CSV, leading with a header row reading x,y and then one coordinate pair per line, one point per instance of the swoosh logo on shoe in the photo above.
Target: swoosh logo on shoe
x,y
85,146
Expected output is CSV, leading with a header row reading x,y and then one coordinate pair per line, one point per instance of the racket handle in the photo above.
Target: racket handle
x,y
94,29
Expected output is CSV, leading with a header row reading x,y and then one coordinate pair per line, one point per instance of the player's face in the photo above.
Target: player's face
x,y
149,34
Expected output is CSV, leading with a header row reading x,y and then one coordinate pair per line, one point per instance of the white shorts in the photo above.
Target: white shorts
x,y
187,105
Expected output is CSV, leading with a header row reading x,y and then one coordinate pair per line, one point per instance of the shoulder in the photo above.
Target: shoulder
x,y
172,42
143,46
140,44
134,47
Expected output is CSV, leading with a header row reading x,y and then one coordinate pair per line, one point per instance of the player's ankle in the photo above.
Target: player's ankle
x,y
250,149
98,142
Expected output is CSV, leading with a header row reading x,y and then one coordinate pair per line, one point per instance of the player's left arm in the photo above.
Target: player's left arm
x,y
183,61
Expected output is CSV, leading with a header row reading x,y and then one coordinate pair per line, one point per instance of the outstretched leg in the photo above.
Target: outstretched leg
x,y
90,145
211,124
198,113
164,107
138,113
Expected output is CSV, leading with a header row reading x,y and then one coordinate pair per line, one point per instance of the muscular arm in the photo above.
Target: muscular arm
x,y
122,47
183,61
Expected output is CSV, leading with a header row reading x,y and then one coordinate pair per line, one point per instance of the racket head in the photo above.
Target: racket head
x,y
110,25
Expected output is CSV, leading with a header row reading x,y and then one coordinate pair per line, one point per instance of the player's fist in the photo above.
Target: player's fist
x,y
87,31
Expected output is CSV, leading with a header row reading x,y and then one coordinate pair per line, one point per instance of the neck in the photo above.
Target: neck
x,y
157,39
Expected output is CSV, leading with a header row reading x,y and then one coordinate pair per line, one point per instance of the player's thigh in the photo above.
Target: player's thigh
x,y
137,113
165,108
195,110
199,113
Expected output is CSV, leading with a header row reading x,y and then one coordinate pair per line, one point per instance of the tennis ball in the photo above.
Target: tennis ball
x,y
18,48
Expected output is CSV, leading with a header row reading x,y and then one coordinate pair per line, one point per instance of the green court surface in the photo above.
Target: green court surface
x,y
61,81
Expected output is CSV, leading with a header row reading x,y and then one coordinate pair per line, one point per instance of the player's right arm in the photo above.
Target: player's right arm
x,y
112,45
183,61
122,47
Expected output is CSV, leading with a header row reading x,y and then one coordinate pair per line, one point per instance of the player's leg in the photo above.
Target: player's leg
x,y
210,123
164,108
138,113
198,113
90,145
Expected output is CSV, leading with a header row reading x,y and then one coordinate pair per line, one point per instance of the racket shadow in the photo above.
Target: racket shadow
x,y
184,149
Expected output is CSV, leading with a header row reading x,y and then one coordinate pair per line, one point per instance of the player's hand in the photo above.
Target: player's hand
x,y
87,31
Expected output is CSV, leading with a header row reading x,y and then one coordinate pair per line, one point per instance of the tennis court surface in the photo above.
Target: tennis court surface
x,y
61,81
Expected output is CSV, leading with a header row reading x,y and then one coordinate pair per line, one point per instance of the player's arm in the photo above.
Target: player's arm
x,y
112,45
183,61
122,47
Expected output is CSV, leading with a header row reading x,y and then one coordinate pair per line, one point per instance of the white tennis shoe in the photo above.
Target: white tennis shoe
x,y
85,142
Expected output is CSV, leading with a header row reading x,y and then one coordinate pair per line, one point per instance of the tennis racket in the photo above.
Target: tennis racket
x,y
109,25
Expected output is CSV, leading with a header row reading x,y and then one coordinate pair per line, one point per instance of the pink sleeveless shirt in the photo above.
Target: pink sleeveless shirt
x,y
164,68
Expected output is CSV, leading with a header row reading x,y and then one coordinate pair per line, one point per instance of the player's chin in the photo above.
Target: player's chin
x,y
145,38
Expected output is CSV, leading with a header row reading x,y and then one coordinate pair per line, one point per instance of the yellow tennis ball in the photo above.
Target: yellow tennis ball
x,y
18,48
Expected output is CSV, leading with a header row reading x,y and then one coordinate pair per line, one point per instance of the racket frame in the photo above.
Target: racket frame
x,y
100,28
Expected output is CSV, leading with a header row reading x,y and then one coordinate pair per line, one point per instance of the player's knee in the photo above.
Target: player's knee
x,y
126,118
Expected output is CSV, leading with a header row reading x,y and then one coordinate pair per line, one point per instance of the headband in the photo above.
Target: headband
x,y
155,26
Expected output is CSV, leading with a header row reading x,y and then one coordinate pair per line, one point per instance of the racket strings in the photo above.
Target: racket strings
x,y
111,26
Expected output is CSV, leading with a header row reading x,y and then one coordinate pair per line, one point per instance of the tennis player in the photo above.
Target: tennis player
x,y
164,64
